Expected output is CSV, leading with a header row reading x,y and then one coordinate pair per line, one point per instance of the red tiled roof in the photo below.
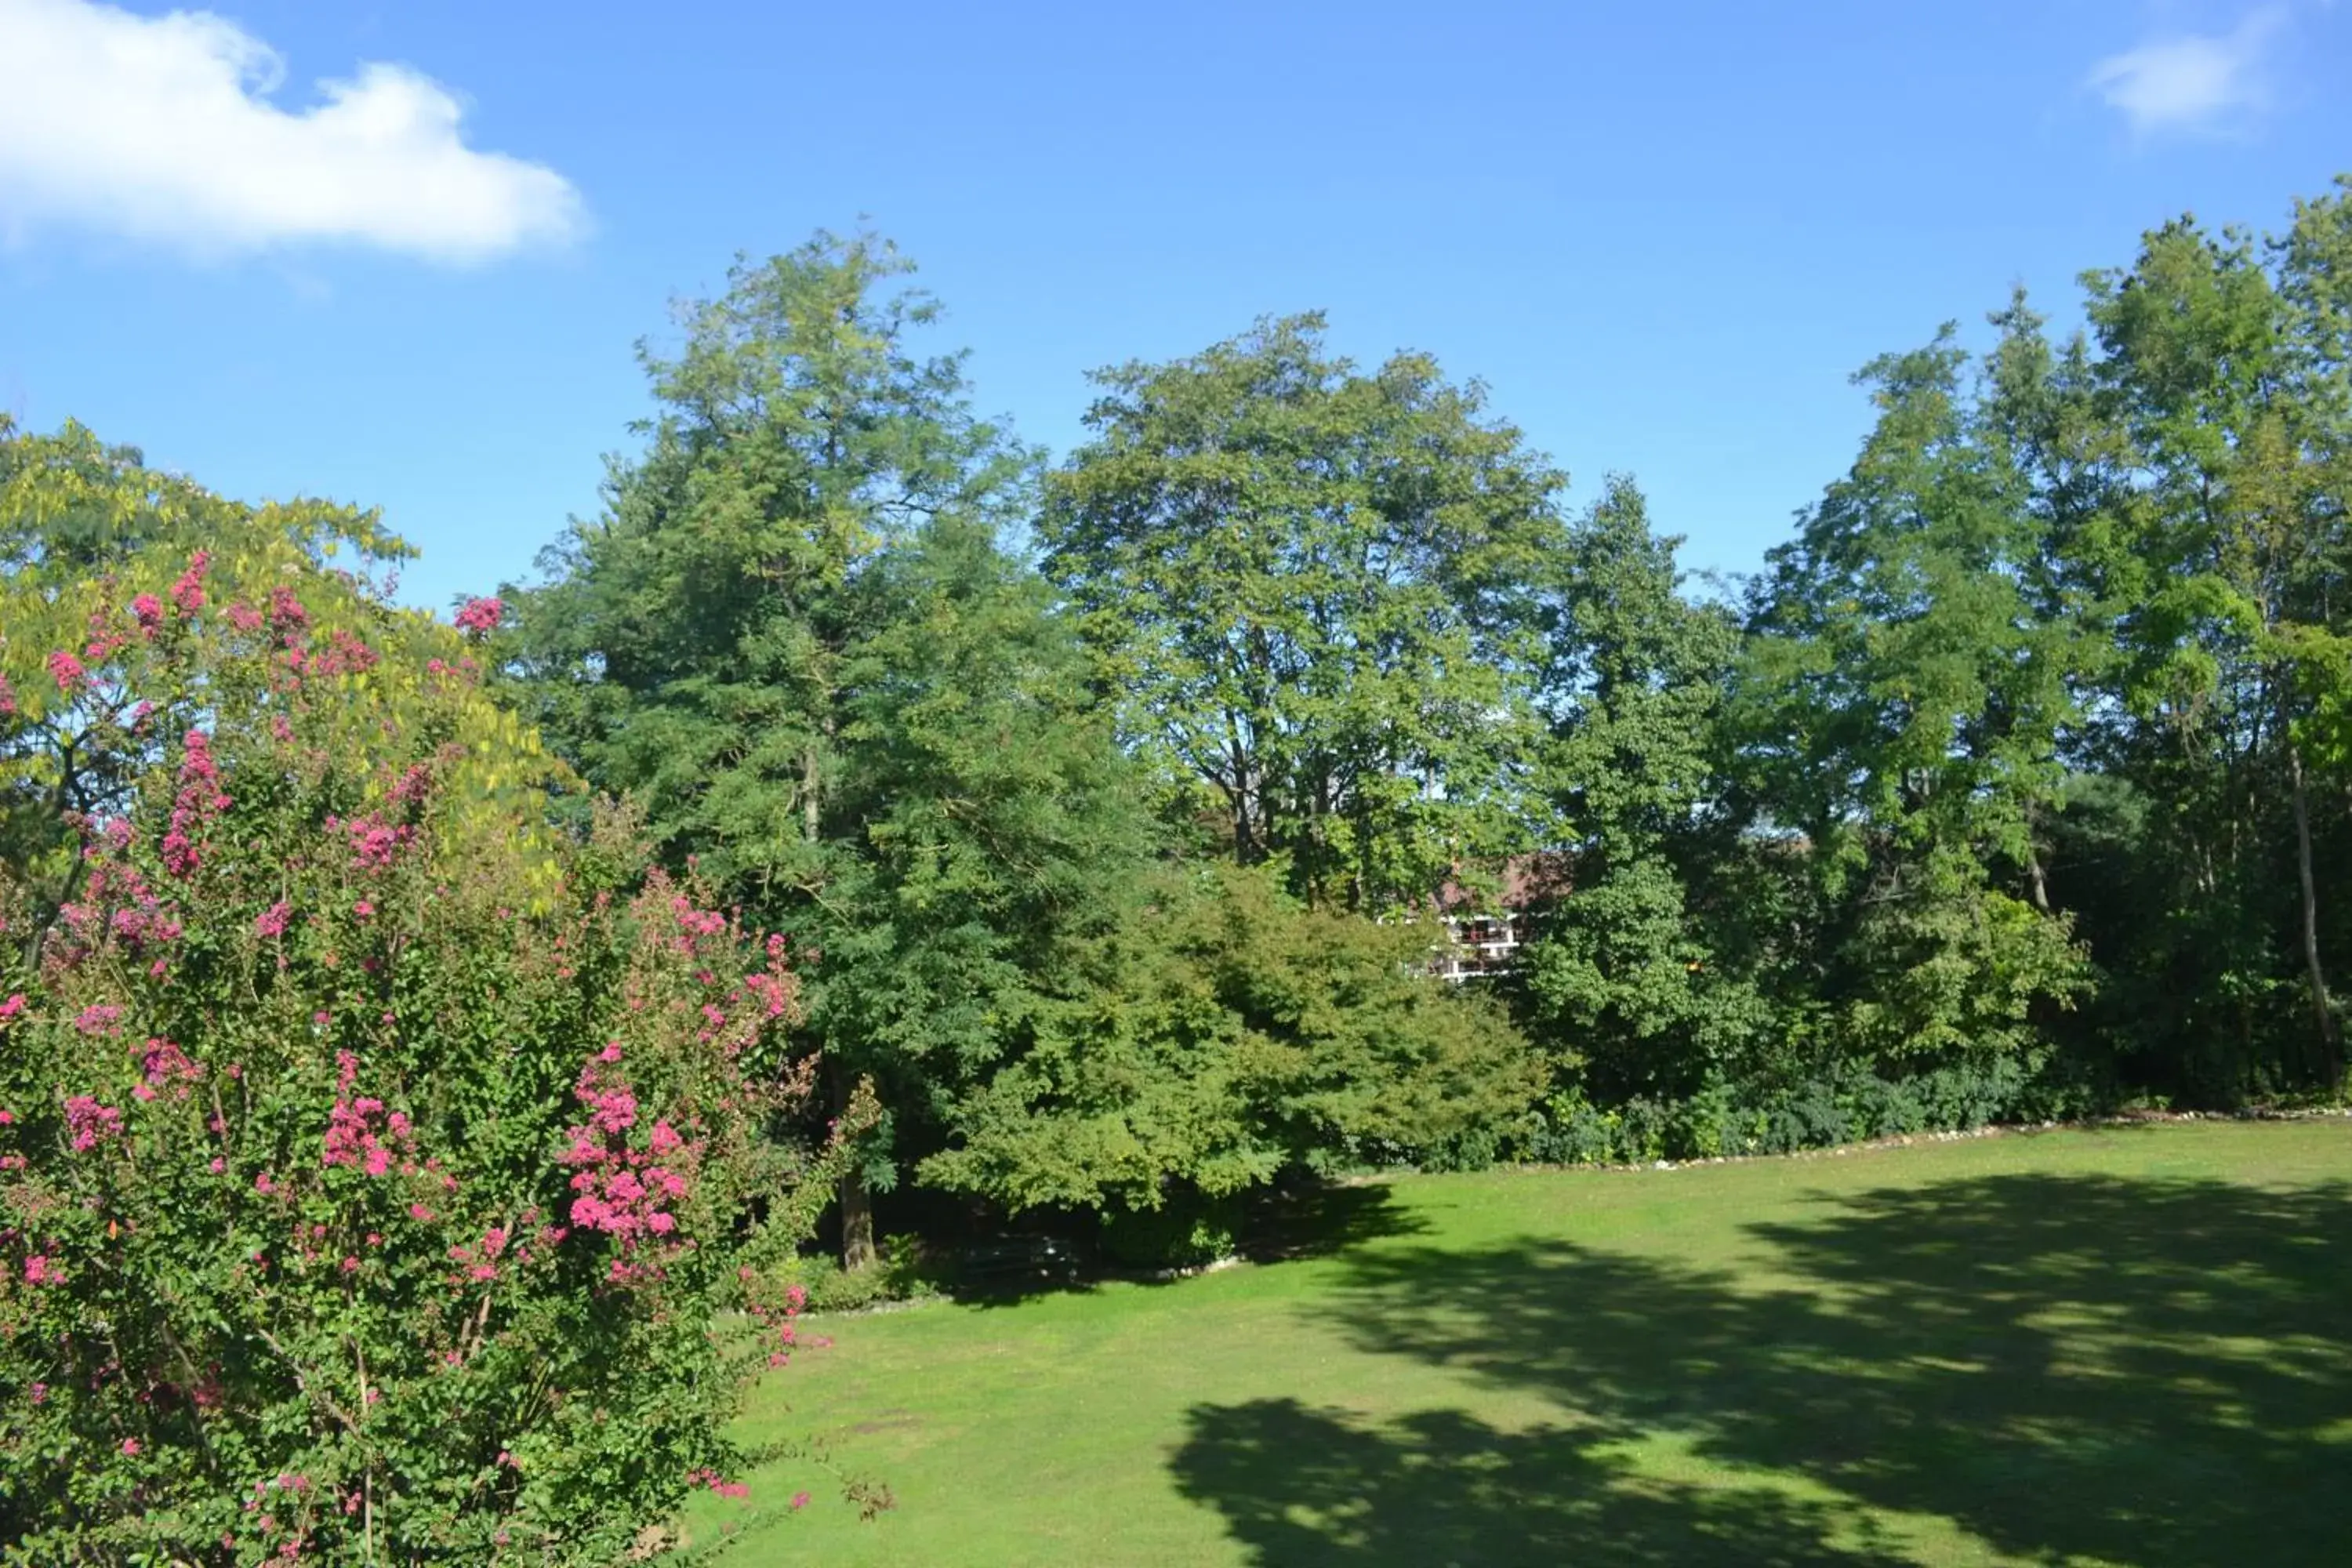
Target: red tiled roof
x,y
1521,881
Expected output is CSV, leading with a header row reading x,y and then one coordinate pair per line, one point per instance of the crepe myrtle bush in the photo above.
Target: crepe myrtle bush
x,y
383,1178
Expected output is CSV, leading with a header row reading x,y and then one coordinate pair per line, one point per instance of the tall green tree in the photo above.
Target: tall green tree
x,y
1621,979
1900,712
793,633
1317,591
2224,559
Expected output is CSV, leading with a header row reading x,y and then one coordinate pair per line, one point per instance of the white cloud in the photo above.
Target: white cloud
x,y
162,128
2198,83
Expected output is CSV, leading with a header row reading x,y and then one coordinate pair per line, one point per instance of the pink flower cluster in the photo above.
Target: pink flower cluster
x,y
11,1008
774,992
165,1065
343,654
774,1311
718,1483
481,1261
140,927
200,796
352,1138
624,1191
89,1123
148,611
41,1269
287,613
289,624
622,1203
413,784
67,672
611,1104
188,589
271,922
694,923
479,617
106,638
140,921
375,842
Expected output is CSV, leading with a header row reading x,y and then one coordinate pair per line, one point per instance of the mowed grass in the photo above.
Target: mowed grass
x,y
2126,1346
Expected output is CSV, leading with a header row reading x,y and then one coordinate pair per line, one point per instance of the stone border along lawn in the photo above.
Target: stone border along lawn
x,y
2130,1344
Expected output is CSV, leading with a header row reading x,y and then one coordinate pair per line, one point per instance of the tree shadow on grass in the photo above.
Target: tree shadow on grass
x,y
1274,1224
1439,1488
1314,1219
2139,1372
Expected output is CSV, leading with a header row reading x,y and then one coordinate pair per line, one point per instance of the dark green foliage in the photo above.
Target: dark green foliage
x,y
1189,1230
2013,773
1900,711
2221,568
1316,591
1849,1104
796,636
1624,978
985,820
2017,770
1226,1034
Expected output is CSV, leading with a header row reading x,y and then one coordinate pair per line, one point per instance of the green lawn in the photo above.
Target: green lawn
x,y
2129,1346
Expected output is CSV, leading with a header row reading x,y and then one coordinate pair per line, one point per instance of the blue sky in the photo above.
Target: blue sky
x,y
1664,233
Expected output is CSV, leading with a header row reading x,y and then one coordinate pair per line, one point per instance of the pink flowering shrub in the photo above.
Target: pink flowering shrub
x,y
380,1170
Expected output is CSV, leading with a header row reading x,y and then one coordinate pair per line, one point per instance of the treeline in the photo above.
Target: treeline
x,y
2011,785
1108,807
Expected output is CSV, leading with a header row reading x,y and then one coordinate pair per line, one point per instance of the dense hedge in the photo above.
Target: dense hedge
x,y
1848,1106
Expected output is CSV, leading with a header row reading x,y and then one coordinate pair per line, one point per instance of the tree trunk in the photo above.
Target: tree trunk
x,y
1237,756
856,1202
2320,1004
2039,883
856,1223
812,819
